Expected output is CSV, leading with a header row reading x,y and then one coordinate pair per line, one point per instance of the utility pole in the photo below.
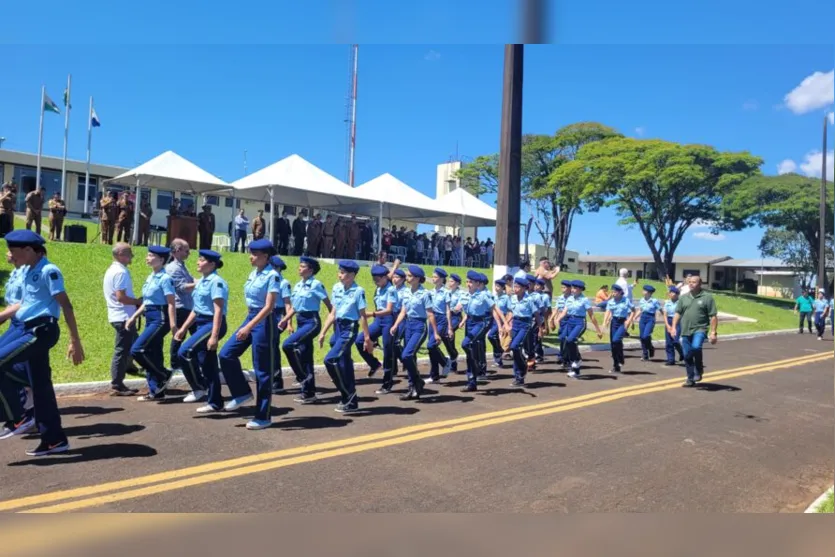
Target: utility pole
x,y
822,233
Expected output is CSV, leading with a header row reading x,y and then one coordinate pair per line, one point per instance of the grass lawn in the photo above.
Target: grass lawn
x,y
84,266
828,505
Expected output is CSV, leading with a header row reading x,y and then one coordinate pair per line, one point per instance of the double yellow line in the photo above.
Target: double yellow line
x,y
96,495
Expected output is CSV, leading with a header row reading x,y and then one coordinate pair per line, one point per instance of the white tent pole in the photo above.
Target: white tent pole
x,y
135,235
461,234
380,230
272,209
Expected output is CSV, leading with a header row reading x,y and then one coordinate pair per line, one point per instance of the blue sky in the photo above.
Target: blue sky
x,y
416,102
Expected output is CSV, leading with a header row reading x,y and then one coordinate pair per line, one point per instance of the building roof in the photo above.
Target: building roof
x,y
678,259
757,263
54,163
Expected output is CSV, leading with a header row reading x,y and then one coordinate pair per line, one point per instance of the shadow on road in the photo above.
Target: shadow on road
x,y
637,373
308,422
499,391
91,453
88,411
541,385
440,399
95,431
387,411
715,387
595,376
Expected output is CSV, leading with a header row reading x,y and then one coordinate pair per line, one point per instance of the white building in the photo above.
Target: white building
x,y
446,182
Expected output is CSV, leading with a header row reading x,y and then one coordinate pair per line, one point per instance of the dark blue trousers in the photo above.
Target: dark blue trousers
x,y
561,337
495,341
414,335
437,360
381,327
198,361
472,345
278,378
32,349
338,360
18,374
617,330
147,348
672,346
691,345
575,326
519,333
646,325
820,323
299,350
449,341
262,340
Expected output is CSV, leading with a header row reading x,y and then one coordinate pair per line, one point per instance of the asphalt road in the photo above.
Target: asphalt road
x,y
756,436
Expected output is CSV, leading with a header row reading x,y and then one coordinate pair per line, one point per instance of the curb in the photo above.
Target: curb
x,y
179,381
813,508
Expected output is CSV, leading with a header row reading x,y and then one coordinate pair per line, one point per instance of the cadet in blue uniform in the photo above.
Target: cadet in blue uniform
x,y
832,315
559,305
671,343
44,297
439,364
519,319
478,310
497,326
348,313
398,279
649,306
416,310
210,302
453,318
544,304
576,309
282,306
160,310
385,300
482,340
821,309
306,298
258,330
619,314
530,347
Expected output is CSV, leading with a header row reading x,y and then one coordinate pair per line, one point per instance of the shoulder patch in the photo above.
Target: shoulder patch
x,y
53,275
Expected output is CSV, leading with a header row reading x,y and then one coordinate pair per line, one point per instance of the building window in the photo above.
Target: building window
x,y
571,260
229,201
694,272
266,207
186,203
91,191
604,273
2,173
212,200
164,200
289,209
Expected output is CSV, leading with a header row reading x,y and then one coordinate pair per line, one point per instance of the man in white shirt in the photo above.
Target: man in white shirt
x,y
121,305
624,284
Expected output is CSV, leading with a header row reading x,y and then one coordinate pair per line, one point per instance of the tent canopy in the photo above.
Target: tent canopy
x,y
169,171
474,211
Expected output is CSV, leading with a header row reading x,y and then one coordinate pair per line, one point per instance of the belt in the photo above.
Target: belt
x,y
155,307
522,319
346,321
307,313
34,322
477,318
417,319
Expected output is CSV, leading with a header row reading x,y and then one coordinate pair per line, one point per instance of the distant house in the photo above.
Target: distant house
x,y
643,267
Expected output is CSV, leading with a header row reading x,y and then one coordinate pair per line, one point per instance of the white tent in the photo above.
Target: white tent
x,y
471,210
168,171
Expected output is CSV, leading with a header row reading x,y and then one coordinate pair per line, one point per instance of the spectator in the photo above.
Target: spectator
x,y
121,305
241,225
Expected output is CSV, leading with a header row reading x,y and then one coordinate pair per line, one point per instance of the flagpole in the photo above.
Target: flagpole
x,y
66,137
89,142
40,140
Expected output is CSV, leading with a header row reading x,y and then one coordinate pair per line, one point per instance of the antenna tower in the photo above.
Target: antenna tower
x,y
351,115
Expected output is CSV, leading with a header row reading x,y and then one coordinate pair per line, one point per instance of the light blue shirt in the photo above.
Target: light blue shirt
x,y
650,306
41,284
400,293
283,290
307,295
820,305
417,303
578,307
670,307
542,300
523,308
463,300
348,301
455,299
259,284
440,299
559,302
503,303
385,295
479,304
14,286
206,291
180,277
621,309
157,286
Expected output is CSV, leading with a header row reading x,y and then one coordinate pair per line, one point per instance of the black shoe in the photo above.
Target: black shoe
x,y
688,383
669,363
517,383
469,389
122,390
373,372
305,399
411,395
279,390
347,408
383,390
697,378
615,369
45,448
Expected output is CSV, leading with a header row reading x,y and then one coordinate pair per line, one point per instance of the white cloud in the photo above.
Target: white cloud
x,y
640,131
432,55
786,166
832,118
708,236
814,92
750,104
811,165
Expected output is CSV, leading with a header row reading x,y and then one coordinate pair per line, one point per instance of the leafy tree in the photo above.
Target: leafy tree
x,y
792,249
789,203
661,187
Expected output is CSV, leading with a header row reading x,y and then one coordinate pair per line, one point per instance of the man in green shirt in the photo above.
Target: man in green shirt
x,y
696,312
803,305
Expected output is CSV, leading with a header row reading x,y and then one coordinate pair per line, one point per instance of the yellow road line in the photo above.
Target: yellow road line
x,y
438,430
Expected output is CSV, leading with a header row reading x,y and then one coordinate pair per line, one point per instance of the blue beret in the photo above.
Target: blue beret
x,y
540,282
23,238
310,262
262,245
508,278
472,275
349,266
379,271
455,277
578,284
400,273
278,262
521,281
161,251
617,287
531,278
417,271
674,289
213,256
500,282
649,288
566,283
440,272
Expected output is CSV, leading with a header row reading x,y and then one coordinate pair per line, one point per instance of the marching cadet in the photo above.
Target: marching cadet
x,y
518,321
385,302
210,302
416,310
533,334
282,307
671,344
439,364
544,302
453,318
497,327
258,330
159,308
478,308
821,308
108,211
559,305
832,315
401,289
206,227
34,206
145,214
125,218
327,237
576,309
44,296
648,306
348,315
57,212
619,314
307,298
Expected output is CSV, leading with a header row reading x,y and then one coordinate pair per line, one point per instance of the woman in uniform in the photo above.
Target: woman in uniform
x,y
158,306
306,299
439,365
619,314
821,310
453,286
478,309
649,306
258,330
211,301
416,310
385,300
282,306
577,308
671,344
518,321
559,305
497,326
